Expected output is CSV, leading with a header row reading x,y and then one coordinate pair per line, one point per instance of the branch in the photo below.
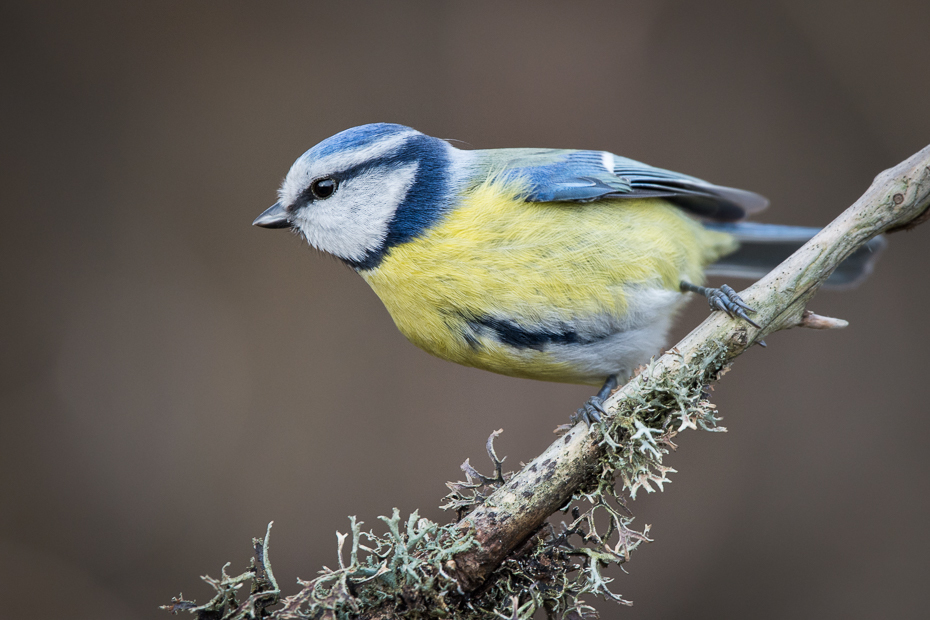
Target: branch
x,y
896,198
500,556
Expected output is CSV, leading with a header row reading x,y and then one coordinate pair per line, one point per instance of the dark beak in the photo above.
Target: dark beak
x,y
275,216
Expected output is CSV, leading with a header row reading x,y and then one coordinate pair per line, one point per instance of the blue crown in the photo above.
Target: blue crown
x,y
356,137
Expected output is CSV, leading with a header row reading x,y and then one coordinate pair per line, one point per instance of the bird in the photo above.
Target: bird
x,y
550,264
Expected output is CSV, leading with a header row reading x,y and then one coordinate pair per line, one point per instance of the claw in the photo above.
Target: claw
x,y
735,298
590,412
724,299
739,312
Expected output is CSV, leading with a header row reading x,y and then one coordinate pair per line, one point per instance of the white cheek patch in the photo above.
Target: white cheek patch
x,y
355,219
303,171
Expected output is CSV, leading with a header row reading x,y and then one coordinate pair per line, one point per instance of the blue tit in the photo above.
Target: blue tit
x,y
558,265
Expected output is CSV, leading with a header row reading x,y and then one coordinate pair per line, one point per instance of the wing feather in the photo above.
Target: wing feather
x,y
584,176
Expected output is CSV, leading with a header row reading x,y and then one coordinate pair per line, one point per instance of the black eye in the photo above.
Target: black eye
x,y
323,188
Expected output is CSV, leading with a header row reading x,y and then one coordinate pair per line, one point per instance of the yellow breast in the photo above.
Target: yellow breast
x,y
543,266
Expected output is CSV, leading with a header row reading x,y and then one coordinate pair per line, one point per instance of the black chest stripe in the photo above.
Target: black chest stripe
x,y
519,337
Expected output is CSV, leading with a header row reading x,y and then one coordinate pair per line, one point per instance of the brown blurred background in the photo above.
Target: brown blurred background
x,y
173,379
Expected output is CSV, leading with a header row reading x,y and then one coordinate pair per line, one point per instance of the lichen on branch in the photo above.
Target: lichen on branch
x,y
502,558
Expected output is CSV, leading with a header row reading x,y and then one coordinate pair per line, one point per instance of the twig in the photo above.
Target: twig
x,y
896,198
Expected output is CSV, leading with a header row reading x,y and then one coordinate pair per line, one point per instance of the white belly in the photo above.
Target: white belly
x,y
641,335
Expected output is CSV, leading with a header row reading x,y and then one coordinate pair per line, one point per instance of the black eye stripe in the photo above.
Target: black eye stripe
x,y
404,155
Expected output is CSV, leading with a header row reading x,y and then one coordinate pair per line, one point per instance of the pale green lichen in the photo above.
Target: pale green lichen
x,y
404,572
655,409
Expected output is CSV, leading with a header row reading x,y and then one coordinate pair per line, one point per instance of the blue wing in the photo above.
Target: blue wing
x,y
583,176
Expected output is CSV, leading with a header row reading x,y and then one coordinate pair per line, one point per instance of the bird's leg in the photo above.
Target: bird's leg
x,y
723,298
591,411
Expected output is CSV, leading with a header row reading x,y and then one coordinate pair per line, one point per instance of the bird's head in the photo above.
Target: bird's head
x,y
363,190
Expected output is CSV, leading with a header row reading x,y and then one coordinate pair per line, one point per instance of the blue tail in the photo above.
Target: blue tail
x,y
764,246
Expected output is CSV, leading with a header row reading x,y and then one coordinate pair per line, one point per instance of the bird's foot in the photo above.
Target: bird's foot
x,y
590,412
724,299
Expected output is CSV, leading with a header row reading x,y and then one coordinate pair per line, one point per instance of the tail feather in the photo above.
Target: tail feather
x,y
765,246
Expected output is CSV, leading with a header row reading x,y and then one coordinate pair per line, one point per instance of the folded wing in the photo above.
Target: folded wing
x,y
584,176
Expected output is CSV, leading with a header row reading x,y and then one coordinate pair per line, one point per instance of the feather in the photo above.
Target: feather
x,y
762,247
551,175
